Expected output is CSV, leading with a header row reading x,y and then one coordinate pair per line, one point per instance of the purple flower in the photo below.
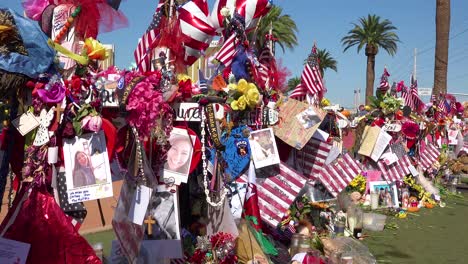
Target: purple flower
x,y
52,93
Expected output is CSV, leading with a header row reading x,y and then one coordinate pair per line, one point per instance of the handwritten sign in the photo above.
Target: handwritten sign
x,y
392,127
187,112
106,93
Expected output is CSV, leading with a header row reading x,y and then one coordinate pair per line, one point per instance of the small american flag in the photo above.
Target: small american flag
x,y
417,103
311,77
428,157
384,85
314,155
396,170
227,52
444,106
336,176
146,44
266,66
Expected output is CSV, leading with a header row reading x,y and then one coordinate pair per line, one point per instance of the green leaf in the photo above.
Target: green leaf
x,y
77,127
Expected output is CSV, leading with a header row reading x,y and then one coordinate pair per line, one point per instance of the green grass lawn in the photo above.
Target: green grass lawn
x,y
438,235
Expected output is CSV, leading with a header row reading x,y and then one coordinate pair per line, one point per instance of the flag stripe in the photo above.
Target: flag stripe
x,y
227,52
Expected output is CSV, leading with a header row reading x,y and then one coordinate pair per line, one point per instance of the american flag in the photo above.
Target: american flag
x,y
444,106
314,154
428,157
384,85
336,176
299,93
202,82
416,103
311,77
227,52
396,170
266,67
277,193
146,44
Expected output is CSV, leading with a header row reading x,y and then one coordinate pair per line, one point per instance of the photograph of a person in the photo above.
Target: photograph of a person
x,y
164,211
87,166
179,156
388,195
263,146
83,172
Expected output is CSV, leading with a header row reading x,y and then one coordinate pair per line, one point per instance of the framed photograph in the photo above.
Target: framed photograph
x,y
263,147
87,168
179,156
388,193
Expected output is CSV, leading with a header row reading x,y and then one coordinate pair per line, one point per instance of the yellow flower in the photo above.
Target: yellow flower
x,y
325,102
95,50
243,86
252,96
232,86
182,77
239,104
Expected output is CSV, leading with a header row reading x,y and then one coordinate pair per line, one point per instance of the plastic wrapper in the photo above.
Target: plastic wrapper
x,y
349,247
36,219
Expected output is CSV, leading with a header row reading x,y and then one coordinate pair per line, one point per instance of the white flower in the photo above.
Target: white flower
x,y
225,12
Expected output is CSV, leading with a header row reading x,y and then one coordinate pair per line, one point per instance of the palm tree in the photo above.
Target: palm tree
x,y
284,29
442,46
292,83
372,33
325,61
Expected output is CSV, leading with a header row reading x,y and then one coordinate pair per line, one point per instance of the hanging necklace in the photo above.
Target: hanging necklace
x,y
224,191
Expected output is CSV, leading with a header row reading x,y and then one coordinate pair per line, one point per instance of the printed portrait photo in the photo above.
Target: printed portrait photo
x,y
388,196
263,146
87,165
179,156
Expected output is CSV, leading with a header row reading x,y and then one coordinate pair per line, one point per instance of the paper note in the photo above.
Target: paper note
x,y
413,170
380,145
389,158
25,123
368,141
140,204
452,136
13,252
321,135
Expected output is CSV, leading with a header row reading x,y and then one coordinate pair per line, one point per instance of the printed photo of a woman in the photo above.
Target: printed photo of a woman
x,y
179,155
83,172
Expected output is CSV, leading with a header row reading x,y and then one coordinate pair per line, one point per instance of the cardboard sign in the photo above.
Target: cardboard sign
x,y
289,129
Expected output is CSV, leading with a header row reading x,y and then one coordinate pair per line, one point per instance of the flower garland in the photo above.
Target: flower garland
x,y
224,191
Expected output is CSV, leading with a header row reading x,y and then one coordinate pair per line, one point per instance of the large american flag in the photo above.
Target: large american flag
x,y
311,76
227,52
313,156
146,44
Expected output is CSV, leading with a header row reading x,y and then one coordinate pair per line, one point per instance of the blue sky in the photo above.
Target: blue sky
x,y
326,22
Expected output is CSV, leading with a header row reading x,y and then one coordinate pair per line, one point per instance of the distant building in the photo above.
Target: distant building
x,y
110,61
202,62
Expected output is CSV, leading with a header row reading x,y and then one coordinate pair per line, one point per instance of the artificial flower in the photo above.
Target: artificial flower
x,y
243,86
252,96
95,50
225,12
325,102
232,86
239,104
52,93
